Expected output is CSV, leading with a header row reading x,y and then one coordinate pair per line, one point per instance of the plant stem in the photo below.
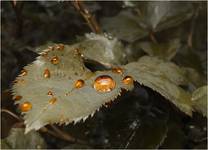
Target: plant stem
x,y
12,114
92,23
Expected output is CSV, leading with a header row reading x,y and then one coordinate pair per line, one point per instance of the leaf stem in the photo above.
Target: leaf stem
x,y
11,114
92,23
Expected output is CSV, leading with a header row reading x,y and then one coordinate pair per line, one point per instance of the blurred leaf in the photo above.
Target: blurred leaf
x,y
66,102
163,77
164,51
199,99
134,23
124,26
18,140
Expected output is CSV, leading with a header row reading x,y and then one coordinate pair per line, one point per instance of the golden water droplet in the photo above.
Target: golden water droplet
x,y
52,100
46,73
17,98
79,83
60,47
104,83
117,70
128,80
50,93
23,73
55,60
26,106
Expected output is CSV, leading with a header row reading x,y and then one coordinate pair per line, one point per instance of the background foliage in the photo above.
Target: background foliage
x,y
167,30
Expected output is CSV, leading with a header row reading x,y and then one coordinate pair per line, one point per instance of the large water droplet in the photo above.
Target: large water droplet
x,y
26,106
104,83
46,73
128,80
55,60
79,83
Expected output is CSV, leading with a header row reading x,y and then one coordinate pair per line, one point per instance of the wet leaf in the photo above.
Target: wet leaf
x,y
163,77
18,140
58,88
164,51
199,99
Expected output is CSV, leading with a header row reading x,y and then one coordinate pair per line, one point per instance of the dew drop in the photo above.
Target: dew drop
x,y
79,83
117,70
52,100
60,47
128,80
55,60
50,93
46,73
26,106
104,83
17,98
23,73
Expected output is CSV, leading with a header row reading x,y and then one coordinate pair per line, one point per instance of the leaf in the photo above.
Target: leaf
x,y
137,22
199,99
165,51
109,50
124,26
163,77
18,140
49,86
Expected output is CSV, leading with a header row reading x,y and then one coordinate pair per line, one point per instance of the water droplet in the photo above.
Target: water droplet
x,y
128,80
26,106
17,98
52,100
104,83
79,83
46,73
23,73
55,60
50,93
60,47
117,70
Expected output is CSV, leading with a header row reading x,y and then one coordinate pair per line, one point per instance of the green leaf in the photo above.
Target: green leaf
x,y
65,103
163,77
199,99
164,51
109,50
124,26
18,140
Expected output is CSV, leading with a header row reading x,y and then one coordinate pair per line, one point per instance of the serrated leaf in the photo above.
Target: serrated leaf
x,y
164,51
70,103
18,140
163,77
199,99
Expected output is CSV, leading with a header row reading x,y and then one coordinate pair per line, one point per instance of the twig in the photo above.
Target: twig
x,y
66,136
92,23
12,114
18,13
152,37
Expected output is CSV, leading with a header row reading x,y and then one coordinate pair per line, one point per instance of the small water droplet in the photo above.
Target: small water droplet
x,y
46,73
50,93
60,47
128,80
23,73
117,70
52,100
55,60
17,98
79,83
104,83
26,106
